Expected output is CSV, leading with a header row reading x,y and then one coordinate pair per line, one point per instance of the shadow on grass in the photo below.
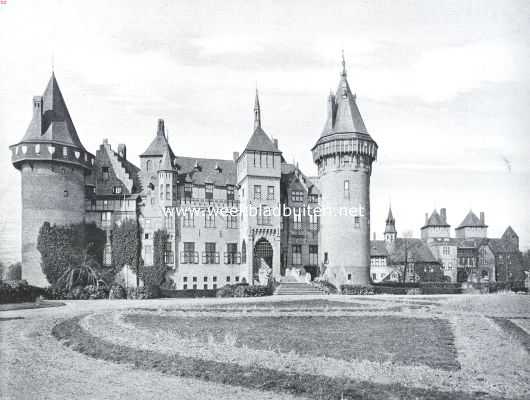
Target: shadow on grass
x,y
254,377
28,306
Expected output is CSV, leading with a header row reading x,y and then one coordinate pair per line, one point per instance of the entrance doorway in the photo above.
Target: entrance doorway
x,y
262,255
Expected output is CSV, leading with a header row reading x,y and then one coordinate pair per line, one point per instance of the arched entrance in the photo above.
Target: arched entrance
x,y
262,255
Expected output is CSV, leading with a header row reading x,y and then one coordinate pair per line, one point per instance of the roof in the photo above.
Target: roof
x,y
218,172
509,233
343,114
436,220
56,125
167,161
390,222
159,144
471,220
260,141
502,246
416,249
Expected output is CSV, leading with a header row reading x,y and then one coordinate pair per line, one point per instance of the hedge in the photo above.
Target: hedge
x,y
19,292
171,293
245,290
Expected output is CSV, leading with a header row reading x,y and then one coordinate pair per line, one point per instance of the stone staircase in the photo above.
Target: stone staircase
x,y
297,289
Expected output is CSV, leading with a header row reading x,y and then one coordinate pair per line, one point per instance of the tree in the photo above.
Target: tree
x,y
14,272
67,247
127,246
154,275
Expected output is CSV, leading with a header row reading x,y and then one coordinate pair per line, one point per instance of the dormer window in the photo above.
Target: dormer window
x,y
116,190
65,151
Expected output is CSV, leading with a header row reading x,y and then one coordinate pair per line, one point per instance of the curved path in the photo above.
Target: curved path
x,y
35,365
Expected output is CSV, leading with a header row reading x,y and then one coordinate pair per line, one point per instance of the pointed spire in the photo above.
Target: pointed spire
x,y
343,65
390,227
257,112
161,130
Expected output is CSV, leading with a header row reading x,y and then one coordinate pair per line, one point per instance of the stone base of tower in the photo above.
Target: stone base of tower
x,y
348,275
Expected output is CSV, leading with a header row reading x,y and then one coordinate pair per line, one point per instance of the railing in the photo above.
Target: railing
x,y
210,257
232,258
189,257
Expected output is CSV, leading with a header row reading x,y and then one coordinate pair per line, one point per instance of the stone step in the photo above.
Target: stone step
x,y
297,288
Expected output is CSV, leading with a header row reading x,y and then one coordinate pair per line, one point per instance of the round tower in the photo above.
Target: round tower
x,y
344,154
54,165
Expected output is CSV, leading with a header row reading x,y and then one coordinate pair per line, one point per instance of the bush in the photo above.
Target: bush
x,y
356,290
18,292
117,292
13,272
188,294
326,286
54,293
414,291
441,288
143,292
245,290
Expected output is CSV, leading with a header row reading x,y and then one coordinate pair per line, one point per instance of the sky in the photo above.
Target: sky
x,y
443,87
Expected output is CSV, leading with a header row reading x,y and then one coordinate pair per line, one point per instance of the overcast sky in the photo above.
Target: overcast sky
x,y
443,87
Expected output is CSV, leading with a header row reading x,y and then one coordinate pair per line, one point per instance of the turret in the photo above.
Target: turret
x,y
54,167
390,228
344,154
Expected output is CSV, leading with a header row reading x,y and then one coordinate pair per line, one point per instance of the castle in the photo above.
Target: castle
x,y
62,183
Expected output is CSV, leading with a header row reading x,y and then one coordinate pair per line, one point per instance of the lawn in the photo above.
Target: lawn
x,y
410,341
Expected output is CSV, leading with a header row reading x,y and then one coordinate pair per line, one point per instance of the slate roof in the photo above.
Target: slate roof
x,y
167,161
471,220
390,222
56,125
307,182
502,246
159,144
396,252
260,141
435,220
218,172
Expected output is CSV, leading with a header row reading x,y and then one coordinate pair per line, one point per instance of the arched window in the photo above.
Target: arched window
x,y
243,252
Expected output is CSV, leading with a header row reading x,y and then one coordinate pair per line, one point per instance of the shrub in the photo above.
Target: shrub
x,y
54,293
440,288
64,248
18,292
193,293
143,292
414,291
117,292
326,286
356,290
245,290
13,272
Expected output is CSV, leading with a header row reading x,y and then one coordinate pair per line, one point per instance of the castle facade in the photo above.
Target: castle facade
x,y
63,183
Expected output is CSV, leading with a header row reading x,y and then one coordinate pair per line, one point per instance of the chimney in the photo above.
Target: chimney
x,y
426,218
235,155
161,131
122,151
37,112
443,214
105,141
276,144
482,218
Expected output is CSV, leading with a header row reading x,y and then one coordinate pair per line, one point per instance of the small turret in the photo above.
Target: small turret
x,y
390,228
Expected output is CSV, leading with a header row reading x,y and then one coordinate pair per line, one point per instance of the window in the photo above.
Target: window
x,y
116,190
244,252
209,219
357,222
374,277
313,255
270,192
349,277
146,235
205,279
188,219
210,256
185,287
297,215
148,165
227,279
326,258
313,198
189,255
168,191
107,255
237,278
232,256
65,193
257,192
187,190
297,254
445,250
229,192
231,221
194,279
208,191
205,286
106,218
346,189
65,152
214,279
104,172
264,216
161,191
313,222
168,255
297,196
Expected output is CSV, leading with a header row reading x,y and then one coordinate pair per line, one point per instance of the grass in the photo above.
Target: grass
x,y
310,386
514,331
409,341
27,306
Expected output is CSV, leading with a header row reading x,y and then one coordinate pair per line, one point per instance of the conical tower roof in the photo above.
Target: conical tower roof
x,y
390,222
159,144
471,220
259,141
167,161
56,125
